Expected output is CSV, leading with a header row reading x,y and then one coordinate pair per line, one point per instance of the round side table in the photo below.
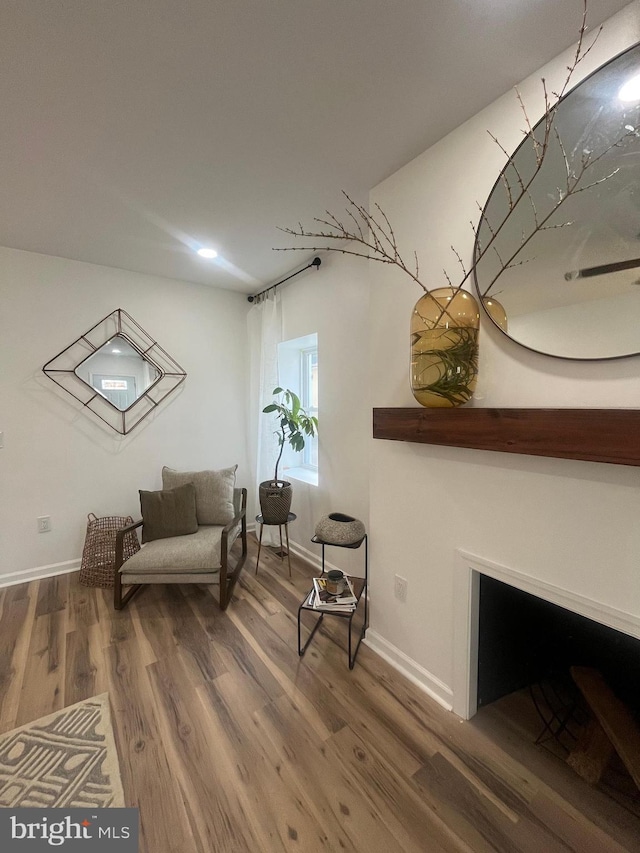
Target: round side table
x,y
282,553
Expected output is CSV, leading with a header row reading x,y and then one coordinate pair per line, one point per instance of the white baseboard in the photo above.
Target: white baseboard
x,y
419,676
28,575
310,557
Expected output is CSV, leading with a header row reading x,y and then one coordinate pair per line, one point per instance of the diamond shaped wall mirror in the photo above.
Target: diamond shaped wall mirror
x,y
117,371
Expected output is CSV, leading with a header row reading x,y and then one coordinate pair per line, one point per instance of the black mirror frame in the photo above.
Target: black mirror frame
x,y
483,296
61,369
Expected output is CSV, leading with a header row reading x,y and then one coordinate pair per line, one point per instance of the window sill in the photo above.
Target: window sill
x,y
303,475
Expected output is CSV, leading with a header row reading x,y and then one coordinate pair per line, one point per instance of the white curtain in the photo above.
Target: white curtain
x,y
265,333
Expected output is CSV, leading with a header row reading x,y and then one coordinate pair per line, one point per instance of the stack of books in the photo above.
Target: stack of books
x,y
321,599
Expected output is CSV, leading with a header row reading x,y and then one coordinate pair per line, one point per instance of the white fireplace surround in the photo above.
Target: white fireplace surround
x,y
468,569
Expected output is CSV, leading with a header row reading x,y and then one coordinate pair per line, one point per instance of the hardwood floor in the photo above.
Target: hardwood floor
x,y
229,742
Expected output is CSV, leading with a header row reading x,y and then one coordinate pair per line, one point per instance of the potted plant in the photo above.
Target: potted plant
x,y
294,423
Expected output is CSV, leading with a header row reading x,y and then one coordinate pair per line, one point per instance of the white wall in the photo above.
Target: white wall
x,y
60,461
334,302
582,329
572,524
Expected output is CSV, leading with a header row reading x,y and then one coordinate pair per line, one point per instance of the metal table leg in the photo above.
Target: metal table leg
x,y
259,547
351,651
302,649
286,530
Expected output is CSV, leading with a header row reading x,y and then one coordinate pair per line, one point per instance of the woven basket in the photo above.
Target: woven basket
x,y
99,553
275,501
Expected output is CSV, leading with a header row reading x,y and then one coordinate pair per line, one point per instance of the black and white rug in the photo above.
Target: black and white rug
x,y
65,760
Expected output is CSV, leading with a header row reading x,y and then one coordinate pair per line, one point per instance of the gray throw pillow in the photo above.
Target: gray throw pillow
x,y
171,512
214,492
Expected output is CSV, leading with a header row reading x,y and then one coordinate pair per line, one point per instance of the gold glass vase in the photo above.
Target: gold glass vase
x,y
444,347
496,311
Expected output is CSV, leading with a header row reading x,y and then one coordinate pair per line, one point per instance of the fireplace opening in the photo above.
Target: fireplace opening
x,y
532,654
525,640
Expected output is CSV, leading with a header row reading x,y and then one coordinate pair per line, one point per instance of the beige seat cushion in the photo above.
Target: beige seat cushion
x,y
195,552
214,492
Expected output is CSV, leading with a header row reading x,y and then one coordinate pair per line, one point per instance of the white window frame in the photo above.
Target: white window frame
x,y
294,373
306,398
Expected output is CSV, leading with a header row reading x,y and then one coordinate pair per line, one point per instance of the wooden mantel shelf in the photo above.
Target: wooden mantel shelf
x,y
594,435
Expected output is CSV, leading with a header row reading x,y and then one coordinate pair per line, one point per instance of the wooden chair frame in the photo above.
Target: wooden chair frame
x,y
227,578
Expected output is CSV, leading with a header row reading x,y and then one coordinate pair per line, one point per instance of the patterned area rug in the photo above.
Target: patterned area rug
x,y
65,760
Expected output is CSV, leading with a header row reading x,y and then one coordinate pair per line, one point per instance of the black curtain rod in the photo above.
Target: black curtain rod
x,y
617,266
314,263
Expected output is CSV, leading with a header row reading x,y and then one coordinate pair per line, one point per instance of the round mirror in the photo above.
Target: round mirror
x,y
558,246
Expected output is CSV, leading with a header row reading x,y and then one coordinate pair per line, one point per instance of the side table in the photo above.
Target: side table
x,y
360,589
282,554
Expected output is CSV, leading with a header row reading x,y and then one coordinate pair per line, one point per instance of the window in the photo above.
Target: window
x,y
309,399
298,371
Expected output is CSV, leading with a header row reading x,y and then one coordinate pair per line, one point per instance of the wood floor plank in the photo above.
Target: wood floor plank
x,y
18,611
228,741
156,629
394,797
43,682
163,620
238,655
285,592
285,664
82,606
343,807
85,671
286,813
17,591
116,625
508,745
576,830
466,800
263,601
462,738
145,650
191,637
258,594
147,776
222,817
52,594
372,711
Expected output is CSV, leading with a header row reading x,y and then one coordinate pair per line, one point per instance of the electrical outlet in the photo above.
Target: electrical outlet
x,y
44,524
400,588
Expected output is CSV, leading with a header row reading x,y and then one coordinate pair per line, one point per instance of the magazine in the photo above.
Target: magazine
x,y
321,598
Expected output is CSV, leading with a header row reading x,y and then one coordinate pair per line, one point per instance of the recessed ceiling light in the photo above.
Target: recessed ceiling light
x,y
631,90
207,253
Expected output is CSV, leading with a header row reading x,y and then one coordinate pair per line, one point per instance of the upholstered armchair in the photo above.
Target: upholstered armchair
x,y
188,530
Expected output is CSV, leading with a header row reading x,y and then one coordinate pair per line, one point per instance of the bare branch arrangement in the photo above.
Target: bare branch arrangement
x,y
371,236
444,337
375,242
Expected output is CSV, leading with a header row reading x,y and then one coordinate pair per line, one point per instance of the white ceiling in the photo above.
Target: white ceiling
x,y
136,130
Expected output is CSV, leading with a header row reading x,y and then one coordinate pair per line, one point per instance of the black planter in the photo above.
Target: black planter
x,y
275,501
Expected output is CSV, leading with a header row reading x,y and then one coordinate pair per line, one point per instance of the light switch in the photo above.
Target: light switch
x,y
1,439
